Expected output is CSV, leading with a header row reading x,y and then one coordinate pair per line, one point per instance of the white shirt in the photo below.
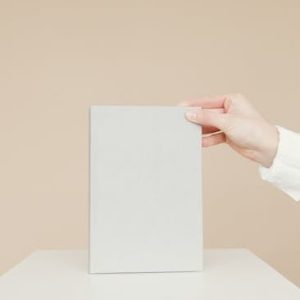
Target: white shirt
x,y
285,170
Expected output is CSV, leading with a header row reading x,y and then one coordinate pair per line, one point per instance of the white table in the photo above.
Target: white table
x,y
62,275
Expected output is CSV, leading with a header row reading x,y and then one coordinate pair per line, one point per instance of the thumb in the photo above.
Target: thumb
x,y
208,118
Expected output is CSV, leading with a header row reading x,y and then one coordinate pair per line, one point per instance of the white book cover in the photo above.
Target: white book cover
x,y
145,190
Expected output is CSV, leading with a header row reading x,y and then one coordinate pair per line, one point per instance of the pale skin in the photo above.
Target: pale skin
x,y
232,119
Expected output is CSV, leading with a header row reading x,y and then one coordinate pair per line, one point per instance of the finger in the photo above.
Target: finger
x,y
214,139
216,110
209,129
206,102
208,118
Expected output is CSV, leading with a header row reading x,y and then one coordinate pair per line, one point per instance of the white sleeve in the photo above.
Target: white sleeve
x,y
285,170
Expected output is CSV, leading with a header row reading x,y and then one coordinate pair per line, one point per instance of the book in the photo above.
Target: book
x,y
145,190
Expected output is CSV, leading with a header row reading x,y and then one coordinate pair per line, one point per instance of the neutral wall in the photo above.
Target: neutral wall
x,y
59,57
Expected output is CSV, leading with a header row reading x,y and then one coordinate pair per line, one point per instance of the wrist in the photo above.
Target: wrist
x,y
269,148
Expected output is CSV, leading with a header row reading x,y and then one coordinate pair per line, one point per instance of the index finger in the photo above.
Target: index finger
x,y
206,102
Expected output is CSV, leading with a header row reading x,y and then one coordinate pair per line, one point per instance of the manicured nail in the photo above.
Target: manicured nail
x,y
191,115
184,103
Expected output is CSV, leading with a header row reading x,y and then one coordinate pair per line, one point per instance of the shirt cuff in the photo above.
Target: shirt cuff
x,y
285,170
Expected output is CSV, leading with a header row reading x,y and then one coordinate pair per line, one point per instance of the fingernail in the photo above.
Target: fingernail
x,y
184,103
191,115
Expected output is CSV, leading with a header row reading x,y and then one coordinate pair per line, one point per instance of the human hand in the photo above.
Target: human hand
x,y
233,120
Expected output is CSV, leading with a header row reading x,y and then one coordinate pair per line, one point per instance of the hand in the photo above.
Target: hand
x,y
233,120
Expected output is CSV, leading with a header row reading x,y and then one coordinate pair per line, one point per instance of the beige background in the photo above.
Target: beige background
x,y
59,57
